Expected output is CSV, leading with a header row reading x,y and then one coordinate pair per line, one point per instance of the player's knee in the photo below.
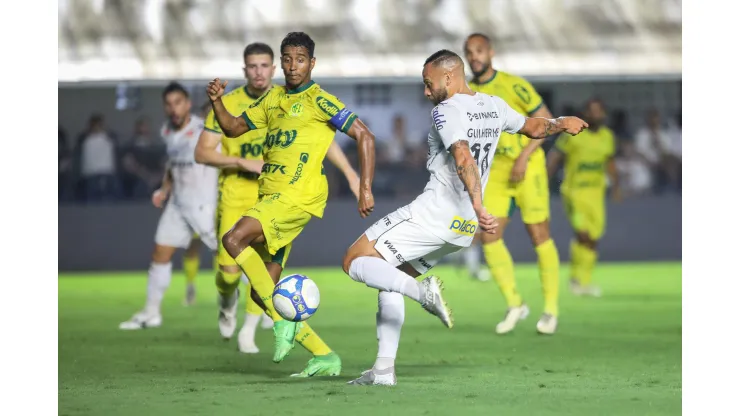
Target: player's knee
x,y
539,233
231,242
162,254
349,257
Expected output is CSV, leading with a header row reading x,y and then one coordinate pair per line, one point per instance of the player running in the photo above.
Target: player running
x,y
443,219
301,120
190,191
518,179
589,158
191,267
239,189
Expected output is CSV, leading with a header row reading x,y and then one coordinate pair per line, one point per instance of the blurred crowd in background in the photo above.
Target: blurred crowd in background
x,y
101,165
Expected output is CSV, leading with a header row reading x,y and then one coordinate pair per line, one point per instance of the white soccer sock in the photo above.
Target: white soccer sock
x,y
379,274
389,321
472,259
250,324
158,281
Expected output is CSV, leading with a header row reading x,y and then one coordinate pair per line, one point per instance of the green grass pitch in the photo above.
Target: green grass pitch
x,y
618,355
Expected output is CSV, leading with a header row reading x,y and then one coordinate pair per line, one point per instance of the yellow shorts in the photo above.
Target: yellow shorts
x,y
532,195
587,212
281,221
227,218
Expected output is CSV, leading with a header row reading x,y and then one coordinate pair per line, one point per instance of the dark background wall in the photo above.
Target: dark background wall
x,y
120,236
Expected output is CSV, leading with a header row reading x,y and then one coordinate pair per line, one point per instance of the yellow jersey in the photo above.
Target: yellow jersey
x,y
301,124
522,97
586,157
235,186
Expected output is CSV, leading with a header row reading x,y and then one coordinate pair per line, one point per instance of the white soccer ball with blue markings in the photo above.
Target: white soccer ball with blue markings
x,y
296,297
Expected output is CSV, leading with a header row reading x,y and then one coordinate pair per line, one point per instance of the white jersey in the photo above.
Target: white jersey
x,y
193,184
445,207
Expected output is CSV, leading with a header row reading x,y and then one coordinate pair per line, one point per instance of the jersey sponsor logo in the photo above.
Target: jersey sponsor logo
x,y
463,227
249,149
299,169
181,164
482,115
394,251
387,221
282,138
425,264
590,166
296,110
327,106
439,121
483,133
523,93
273,168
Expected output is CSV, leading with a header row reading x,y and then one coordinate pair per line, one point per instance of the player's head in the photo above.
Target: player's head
x,y
259,67
176,103
443,74
296,58
594,112
478,53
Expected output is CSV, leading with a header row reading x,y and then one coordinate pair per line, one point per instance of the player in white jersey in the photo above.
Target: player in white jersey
x,y
191,191
444,218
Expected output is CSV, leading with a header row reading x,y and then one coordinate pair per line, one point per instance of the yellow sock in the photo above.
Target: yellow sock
x,y
502,269
191,266
227,282
253,266
310,340
549,262
576,261
252,307
588,260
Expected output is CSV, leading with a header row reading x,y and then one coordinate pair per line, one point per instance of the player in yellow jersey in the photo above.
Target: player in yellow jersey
x,y
518,178
589,158
301,120
191,266
238,188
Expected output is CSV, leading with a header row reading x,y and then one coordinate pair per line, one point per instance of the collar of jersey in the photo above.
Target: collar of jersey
x,y
246,91
301,89
487,81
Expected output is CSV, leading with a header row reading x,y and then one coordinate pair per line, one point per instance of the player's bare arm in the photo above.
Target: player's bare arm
x,y
230,125
337,157
520,165
207,153
161,194
366,150
611,170
540,128
467,171
554,160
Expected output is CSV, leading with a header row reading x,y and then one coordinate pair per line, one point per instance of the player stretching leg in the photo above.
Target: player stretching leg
x,y
443,219
190,191
301,120
191,266
239,189
589,157
519,178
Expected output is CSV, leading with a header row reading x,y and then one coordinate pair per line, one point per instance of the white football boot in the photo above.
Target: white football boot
x,y
579,290
227,314
375,377
245,340
548,324
512,317
433,302
142,320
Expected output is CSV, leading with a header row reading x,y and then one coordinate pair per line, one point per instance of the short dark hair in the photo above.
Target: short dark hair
x,y
479,35
300,39
174,87
258,48
442,55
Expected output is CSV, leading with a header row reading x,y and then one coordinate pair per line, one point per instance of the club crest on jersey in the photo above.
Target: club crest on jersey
x,y
296,110
463,227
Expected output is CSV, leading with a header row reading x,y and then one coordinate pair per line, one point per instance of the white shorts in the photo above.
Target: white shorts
x,y
178,224
402,240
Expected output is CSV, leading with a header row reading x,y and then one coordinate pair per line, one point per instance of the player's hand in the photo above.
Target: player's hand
x,y
617,195
354,186
573,125
216,89
158,197
366,203
486,221
518,171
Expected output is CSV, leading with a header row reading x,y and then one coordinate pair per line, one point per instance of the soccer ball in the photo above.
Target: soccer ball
x,y
296,297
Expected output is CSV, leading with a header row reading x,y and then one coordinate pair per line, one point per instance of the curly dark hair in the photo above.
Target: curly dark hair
x,y
299,39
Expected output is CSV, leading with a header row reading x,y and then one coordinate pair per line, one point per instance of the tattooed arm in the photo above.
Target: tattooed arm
x,y
467,170
539,127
